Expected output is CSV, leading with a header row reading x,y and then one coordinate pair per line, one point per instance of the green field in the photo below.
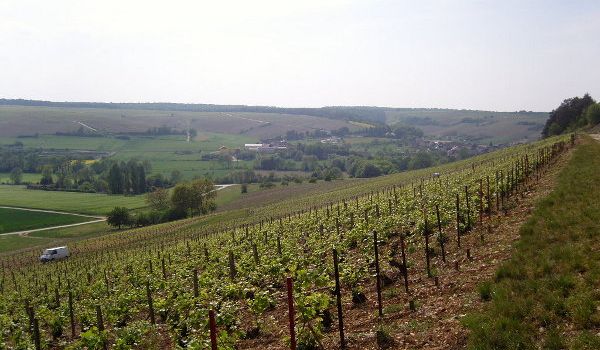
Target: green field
x,y
20,220
83,203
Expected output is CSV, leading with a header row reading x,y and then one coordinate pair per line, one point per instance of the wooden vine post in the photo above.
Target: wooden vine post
x,y
468,208
36,334
404,266
377,275
426,234
338,295
279,246
213,329
441,238
71,312
480,202
195,281
232,269
291,313
489,204
150,305
100,325
255,254
457,220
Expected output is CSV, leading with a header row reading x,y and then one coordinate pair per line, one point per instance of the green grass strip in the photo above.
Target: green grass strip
x,y
548,294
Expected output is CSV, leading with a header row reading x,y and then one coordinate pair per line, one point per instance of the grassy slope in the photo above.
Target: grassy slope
x,y
84,203
548,293
18,220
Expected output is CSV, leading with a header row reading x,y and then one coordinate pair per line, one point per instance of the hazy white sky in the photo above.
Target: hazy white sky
x,y
498,55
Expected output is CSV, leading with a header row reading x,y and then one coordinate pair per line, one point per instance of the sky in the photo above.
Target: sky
x,y
492,55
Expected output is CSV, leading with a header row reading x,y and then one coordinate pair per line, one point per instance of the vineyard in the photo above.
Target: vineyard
x,y
317,278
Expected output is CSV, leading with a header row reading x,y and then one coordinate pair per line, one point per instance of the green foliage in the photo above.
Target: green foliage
x,y
196,197
158,199
592,114
383,337
118,217
485,291
570,115
16,176
46,176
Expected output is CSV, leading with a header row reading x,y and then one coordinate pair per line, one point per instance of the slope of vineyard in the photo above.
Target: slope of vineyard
x,y
154,287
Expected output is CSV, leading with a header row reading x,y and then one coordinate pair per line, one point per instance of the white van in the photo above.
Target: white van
x,y
54,254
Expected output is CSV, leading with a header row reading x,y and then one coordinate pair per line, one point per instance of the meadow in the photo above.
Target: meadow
x,y
12,220
75,202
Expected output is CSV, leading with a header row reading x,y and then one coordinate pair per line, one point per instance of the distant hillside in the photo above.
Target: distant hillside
x,y
373,114
473,125
479,126
22,120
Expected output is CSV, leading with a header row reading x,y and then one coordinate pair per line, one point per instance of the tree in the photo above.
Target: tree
x,y
194,198
118,217
421,160
158,199
176,176
115,179
16,176
592,114
181,198
369,170
203,194
569,115
46,176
